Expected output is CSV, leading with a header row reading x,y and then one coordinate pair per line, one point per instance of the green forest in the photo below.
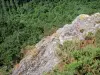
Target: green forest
x,y
26,22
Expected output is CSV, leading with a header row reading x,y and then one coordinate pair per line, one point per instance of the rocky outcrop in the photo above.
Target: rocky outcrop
x,y
46,57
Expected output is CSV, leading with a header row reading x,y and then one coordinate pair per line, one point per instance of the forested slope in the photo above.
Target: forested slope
x,y
25,22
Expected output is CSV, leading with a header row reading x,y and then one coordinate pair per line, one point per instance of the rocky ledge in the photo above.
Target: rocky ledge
x,y
46,57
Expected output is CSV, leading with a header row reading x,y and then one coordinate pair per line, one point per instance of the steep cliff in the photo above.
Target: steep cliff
x,y
46,57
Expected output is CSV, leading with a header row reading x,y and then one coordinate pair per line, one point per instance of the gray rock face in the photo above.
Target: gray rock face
x,y
46,58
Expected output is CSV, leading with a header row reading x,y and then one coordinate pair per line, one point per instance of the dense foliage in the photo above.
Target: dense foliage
x,y
25,22
85,62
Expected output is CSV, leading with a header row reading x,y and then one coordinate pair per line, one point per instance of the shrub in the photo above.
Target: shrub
x,y
86,62
89,36
97,36
66,48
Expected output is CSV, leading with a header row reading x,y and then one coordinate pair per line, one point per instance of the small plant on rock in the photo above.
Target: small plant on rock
x,y
82,30
89,36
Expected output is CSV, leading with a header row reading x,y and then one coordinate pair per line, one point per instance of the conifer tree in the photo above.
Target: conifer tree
x,y
14,5
3,6
8,5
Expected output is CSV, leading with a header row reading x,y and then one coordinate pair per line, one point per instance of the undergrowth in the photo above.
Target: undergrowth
x,y
78,61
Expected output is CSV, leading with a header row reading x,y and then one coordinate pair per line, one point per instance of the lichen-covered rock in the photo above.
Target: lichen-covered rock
x,y
46,58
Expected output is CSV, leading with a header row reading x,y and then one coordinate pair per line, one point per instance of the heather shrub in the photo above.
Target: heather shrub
x,y
86,61
97,36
